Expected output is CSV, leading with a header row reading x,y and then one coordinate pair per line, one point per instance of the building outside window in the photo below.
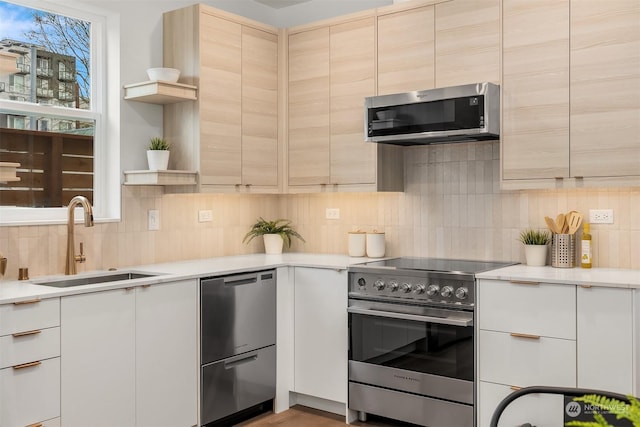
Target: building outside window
x,y
49,112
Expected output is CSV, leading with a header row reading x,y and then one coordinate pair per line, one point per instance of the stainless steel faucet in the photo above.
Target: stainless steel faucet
x,y
72,258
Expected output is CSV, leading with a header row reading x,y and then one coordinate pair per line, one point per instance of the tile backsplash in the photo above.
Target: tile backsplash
x,y
452,207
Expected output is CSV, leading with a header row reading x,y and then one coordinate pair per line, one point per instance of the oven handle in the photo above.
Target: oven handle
x,y
416,317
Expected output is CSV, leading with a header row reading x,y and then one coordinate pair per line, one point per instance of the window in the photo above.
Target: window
x,y
54,115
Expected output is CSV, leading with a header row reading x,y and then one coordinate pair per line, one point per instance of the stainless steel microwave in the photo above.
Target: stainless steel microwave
x,y
451,114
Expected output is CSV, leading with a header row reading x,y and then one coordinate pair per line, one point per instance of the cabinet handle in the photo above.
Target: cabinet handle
x,y
35,425
145,286
515,388
523,282
528,336
24,334
31,301
586,286
27,365
130,288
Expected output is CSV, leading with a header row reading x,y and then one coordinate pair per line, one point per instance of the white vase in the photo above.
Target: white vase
x,y
536,255
158,159
273,244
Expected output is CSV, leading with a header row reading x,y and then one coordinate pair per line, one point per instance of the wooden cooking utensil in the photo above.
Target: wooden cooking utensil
x,y
560,220
550,225
575,222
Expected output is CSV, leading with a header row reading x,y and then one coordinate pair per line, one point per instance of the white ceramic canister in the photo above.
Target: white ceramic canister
x,y
375,244
357,243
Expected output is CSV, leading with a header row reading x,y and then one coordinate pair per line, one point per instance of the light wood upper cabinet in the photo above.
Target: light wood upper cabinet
x,y
571,93
467,42
230,134
309,146
220,100
331,71
535,89
352,63
259,107
406,51
605,88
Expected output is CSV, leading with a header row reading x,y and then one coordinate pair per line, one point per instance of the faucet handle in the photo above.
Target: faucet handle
x,y
81,257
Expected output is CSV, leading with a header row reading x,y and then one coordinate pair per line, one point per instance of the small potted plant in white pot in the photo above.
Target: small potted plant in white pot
x,y
158,154
275,233
535,246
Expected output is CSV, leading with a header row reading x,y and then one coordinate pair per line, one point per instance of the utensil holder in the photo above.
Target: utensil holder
x,y
563,250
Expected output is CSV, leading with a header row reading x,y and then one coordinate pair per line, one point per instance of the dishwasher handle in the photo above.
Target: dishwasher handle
x,y
230,364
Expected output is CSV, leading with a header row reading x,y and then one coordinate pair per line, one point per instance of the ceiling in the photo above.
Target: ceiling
x,y
279,4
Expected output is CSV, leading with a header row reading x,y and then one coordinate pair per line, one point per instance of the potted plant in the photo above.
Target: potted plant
x,y
275,233
158,153
535,246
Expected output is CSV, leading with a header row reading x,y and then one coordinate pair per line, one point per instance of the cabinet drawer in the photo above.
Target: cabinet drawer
x,y
538,309
536,409
29,315
29,346
518,361
30,395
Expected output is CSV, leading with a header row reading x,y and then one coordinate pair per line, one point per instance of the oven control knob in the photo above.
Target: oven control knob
x,y
393,285
379,285
432,290
418,289
461,293
447,291
405,287
362,283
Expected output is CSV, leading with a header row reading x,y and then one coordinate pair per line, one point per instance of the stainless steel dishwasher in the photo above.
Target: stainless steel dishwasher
x,y
238,351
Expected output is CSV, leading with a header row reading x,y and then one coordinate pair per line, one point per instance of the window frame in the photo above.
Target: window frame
x,y
105,111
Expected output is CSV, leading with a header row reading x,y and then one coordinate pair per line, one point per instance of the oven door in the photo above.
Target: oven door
x,y
416,349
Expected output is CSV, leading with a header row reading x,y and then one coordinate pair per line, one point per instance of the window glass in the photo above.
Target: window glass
x,y
48,121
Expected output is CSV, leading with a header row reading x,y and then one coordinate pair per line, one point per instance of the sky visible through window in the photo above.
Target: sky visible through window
x,y
15,21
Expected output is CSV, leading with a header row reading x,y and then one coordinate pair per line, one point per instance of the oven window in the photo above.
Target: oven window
x,y
429,348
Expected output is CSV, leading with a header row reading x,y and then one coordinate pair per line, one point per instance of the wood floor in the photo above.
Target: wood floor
x,y
301,416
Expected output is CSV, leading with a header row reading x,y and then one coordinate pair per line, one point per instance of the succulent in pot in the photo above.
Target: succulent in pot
x,y
158,153
535,246
275,233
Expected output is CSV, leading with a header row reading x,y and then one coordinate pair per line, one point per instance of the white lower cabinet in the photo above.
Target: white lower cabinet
x,y
524,361
30,363
129,357
535,409
320,334
98,359
166,355
605,338
526,337
30,393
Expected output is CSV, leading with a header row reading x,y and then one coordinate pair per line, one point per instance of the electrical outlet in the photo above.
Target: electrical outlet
x,y
205,216
153,219
601,216
332,213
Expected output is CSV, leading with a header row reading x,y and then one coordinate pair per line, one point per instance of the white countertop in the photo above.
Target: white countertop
x,y
15,291
611,277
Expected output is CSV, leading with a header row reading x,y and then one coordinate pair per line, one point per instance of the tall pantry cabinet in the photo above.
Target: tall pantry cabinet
x,y
230,134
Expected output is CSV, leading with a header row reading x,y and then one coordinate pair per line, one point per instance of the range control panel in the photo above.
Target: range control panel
x,y
433,289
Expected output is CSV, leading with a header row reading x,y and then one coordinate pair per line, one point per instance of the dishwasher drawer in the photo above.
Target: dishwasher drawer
x,y
238,314
237,383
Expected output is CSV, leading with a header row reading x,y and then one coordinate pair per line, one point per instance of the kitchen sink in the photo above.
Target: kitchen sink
x,y
90,280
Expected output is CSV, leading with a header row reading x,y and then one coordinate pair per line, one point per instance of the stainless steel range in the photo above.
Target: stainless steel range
x,y
411,339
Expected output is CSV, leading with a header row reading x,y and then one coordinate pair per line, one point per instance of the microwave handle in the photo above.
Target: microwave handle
x,y
415,317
